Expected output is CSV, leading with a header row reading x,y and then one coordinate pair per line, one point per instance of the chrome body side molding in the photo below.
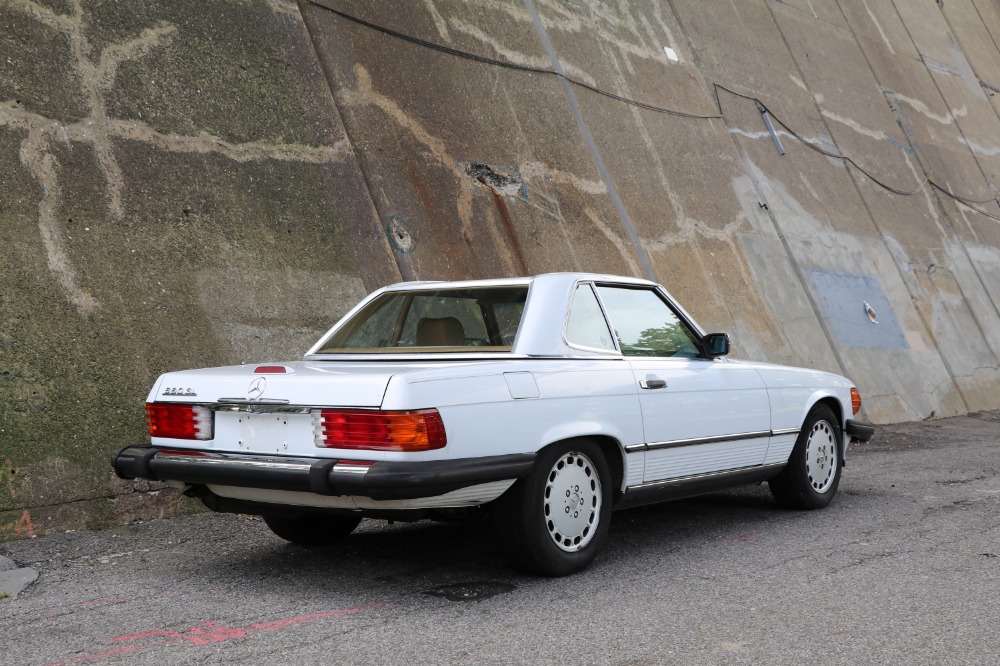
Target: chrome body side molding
x,y
688,486
653,446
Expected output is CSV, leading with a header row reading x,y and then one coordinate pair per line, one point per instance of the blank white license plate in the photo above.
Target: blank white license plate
x,y
264,432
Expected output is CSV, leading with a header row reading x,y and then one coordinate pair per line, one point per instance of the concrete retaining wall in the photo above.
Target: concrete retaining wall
x,y
193,183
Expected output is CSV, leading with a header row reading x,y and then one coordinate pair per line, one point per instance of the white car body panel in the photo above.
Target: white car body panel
x,y
713,415
716,399
305,383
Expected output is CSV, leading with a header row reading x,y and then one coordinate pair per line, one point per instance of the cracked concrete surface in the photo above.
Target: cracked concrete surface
x,y
141,151
170,169
97,78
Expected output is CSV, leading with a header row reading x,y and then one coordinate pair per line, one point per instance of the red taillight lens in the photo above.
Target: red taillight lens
x,y
270,370
178,421
855,400
421,430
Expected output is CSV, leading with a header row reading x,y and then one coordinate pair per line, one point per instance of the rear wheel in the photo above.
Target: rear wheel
x,y
555,520
812,475
312,529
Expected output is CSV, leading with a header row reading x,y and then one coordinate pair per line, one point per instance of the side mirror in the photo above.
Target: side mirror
x,y
716,344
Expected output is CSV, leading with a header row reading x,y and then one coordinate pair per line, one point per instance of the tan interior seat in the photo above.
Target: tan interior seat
x,y
440,332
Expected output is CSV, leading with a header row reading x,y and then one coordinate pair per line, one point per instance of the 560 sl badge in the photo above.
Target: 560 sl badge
x,y
179,391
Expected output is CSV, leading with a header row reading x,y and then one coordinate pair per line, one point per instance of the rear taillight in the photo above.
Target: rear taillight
x,y
421,430
178,421
855,400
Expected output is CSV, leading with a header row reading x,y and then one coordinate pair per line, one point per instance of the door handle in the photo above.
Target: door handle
x,y
653,383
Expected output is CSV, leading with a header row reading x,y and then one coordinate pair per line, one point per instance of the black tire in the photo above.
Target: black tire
x,y
570,477
811,477
312,529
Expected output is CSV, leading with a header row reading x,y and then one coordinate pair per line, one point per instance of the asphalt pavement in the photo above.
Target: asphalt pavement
x,y
902,568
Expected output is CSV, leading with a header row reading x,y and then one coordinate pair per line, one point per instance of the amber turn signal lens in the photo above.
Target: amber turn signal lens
x,y
421,430
855,400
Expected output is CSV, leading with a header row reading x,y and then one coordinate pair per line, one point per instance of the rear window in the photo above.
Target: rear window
x,y
435,320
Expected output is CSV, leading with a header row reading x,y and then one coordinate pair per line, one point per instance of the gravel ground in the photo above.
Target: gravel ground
x,y
902,568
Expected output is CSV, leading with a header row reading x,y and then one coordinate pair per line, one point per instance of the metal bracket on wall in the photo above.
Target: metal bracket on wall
x,y
770,128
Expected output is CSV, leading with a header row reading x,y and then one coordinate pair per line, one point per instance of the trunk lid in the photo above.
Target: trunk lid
x,y
318,383
268,411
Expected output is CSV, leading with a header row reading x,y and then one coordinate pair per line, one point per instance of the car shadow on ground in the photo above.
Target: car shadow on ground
x,y
426,556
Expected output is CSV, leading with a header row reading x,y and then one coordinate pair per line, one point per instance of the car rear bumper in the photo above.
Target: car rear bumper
x,y
381,480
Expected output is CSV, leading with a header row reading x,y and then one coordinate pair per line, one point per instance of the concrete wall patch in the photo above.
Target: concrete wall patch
x,y
858,310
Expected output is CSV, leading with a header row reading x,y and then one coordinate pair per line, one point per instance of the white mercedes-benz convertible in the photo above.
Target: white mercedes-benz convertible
x,y
548,401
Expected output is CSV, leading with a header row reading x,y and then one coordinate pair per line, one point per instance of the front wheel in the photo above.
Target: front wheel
x,y
555,520
312,529
812,475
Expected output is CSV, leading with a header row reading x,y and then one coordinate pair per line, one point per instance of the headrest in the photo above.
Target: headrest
x,y
440,332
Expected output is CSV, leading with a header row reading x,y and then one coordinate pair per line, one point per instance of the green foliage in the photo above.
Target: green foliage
x,y
663,341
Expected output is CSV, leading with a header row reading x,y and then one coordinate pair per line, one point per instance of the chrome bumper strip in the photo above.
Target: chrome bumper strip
x,y
242,461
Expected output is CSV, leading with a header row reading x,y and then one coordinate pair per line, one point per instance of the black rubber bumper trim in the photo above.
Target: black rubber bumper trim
x,y
382,480
859,430
409,480
134,465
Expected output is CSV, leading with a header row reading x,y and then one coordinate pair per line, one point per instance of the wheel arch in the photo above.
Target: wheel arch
x,y
837,408
614,455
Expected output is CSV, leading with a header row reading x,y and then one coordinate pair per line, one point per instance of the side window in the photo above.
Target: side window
x,y
645,325
587,326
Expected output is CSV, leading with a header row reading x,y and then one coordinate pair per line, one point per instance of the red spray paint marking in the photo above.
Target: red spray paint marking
x,y
744,537
22,527
208,633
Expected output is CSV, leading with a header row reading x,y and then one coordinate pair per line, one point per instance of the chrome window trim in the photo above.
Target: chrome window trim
x,y
665,298
389,357
679,311
411,289
616,352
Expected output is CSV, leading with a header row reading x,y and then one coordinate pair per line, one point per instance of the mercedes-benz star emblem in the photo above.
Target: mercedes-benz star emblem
x,y
256,388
